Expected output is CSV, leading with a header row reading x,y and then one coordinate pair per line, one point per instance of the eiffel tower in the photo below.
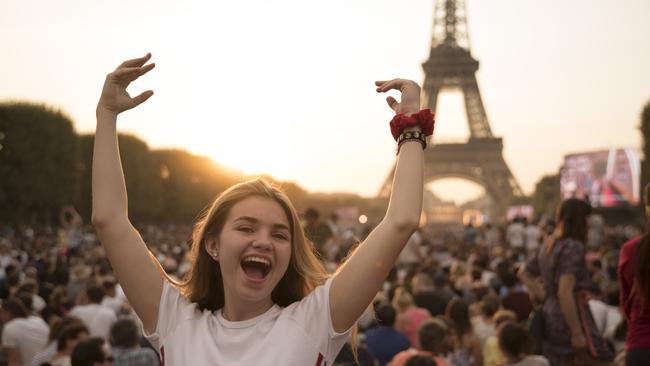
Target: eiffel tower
x,y
451,65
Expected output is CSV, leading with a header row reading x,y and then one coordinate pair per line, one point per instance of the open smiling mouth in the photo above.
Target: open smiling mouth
x,y
256,268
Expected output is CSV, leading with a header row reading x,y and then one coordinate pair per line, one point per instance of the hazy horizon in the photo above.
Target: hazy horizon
x,y
285,88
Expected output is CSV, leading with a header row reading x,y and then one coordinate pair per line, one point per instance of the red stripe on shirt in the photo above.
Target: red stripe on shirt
x,y
319,361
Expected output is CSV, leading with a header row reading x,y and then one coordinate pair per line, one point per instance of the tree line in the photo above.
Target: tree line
x,y
45,165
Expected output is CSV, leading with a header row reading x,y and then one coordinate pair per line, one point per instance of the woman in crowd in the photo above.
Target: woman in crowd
x,y
256,293
469,350
634,285
570,335
409,316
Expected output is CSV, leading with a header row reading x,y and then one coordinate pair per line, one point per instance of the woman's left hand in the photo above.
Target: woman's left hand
x,y
410,101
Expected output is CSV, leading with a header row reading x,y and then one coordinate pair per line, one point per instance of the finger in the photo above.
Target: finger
x,y
135,62
133,72
141,98
391,84
392,103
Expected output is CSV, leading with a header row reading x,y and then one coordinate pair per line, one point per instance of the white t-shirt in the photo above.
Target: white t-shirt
x,y
533,235
28,335
97,318
114,303
411,252
300,334
515,234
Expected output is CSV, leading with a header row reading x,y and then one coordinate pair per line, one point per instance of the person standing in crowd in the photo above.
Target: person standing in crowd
x,y
23,334
70,336
483,323
513,341
384,341
469,351
492,355
125,346
98,318
634,286
256,293
411,255
409,316
432,335
317,232
533,236
516,235
56,328
111,298
91,352
515,298
72,224
568,325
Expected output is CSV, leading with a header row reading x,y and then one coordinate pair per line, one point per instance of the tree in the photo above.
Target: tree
x,y
190,183
141,175
38,163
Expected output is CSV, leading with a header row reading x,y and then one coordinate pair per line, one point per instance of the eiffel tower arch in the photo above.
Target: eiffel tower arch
x,y
451,65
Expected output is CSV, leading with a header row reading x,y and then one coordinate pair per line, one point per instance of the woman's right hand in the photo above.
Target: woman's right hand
x,y
115,99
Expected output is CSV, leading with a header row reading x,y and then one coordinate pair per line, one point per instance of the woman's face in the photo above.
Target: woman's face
x,y
254,249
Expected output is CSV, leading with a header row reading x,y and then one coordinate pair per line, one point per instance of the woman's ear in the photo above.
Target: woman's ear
x,y
212,247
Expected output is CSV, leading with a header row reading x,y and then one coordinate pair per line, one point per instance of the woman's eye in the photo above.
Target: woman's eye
x,y
245,229
281,236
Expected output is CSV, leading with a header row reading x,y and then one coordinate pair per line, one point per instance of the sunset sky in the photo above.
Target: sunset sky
x,y
285,87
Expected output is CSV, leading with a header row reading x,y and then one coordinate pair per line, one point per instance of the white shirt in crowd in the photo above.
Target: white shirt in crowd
x,y
606,317
113,303
300,334
97,318
411,253
515,235
28,335
533,236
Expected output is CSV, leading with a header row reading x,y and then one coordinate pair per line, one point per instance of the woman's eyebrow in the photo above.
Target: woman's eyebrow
x,y
253,220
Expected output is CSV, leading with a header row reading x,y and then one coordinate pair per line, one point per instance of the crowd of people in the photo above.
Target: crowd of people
x,y
255,282
457,307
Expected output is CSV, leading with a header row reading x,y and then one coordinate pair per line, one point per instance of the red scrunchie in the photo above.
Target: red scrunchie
x,y
423,118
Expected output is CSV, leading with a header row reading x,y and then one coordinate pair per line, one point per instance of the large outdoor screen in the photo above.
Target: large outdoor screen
x,y
606,178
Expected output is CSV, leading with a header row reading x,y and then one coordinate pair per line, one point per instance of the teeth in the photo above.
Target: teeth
x,y
258,260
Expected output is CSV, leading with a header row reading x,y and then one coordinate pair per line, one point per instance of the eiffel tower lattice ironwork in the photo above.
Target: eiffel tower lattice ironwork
x,y
451,65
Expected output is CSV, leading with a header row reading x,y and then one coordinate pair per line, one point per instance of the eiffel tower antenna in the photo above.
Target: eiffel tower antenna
x,y
451,65
450,24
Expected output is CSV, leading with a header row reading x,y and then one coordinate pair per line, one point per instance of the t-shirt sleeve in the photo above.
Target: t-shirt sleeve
x,y
9,337
172,310
314,313
571,258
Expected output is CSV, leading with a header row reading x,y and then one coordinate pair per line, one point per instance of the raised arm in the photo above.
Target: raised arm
x,y
357,282
127,252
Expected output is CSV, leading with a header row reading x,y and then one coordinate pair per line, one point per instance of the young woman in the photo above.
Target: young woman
x,y
634,285
570,335
256,294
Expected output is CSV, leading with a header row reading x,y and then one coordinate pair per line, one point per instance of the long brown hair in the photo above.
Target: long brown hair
x,y
642,262
203,284
571,217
